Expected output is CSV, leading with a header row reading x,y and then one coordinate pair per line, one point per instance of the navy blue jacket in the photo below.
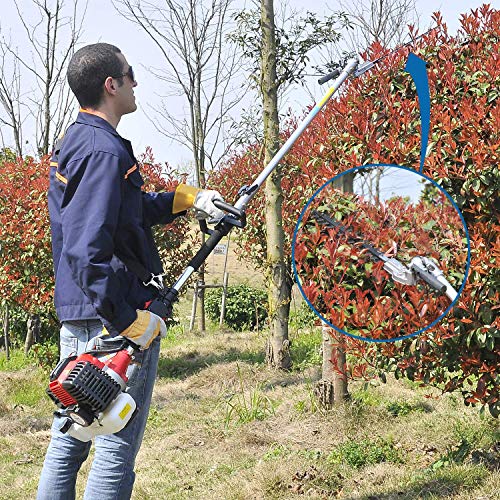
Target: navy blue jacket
x,y
98,211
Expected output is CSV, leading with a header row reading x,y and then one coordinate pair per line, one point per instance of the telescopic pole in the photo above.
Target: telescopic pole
x,y
250,191
236,213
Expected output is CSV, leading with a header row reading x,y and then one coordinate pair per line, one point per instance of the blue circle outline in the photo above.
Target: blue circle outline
x,y
358,337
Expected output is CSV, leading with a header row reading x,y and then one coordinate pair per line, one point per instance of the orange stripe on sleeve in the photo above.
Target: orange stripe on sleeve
x,y
130,170
61,178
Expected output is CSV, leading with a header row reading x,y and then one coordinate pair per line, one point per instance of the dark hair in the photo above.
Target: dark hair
x,y
88,69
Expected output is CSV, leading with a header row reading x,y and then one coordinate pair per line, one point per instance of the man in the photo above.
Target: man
x,y
100,219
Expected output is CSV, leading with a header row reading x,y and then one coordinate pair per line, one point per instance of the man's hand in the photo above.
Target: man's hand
x,y
204,205
200,199
145,329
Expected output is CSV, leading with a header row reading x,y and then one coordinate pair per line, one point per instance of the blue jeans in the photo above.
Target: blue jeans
x,y
112,473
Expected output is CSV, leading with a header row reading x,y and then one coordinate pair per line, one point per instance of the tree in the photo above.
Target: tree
x,y
297,36
277,57
333,386
382,21
46,104
279,282
191,37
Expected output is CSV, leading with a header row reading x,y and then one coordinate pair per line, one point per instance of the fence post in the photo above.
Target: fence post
x,y
224,294
6,332
195,303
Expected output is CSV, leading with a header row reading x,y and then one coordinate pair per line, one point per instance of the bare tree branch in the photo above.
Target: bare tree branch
x,y
191,37
383,21
48,99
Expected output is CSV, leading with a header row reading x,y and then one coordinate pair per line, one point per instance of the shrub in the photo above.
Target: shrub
x,y
376,120
303,317
357,295
26,267
245,306
45,355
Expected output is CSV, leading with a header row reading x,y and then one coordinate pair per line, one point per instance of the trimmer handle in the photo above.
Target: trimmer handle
x,y
239,219
328,77
227,207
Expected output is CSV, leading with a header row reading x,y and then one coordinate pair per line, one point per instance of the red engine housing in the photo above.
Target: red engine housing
x,y
56,391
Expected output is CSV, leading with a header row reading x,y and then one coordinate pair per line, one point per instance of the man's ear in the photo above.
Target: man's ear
x,y
110,86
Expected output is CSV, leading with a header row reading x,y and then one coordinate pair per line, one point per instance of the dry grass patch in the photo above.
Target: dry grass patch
x,y
383,444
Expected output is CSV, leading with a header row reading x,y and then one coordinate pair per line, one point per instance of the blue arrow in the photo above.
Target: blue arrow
x,y
418,71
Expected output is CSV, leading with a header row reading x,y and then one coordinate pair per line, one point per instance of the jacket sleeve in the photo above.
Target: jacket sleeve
x,y
89,218
157,208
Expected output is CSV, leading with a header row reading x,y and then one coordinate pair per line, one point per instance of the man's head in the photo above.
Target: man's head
x,y
100,75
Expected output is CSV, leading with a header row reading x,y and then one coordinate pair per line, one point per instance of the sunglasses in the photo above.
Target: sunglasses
x,y
129,73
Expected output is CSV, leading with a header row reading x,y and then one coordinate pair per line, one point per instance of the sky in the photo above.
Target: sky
x,y
102,23
394,182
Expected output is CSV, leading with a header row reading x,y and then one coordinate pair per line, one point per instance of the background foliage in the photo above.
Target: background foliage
x,y
245,306
26,271
376,120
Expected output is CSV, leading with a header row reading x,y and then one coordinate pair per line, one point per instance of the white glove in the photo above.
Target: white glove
x,y
204,207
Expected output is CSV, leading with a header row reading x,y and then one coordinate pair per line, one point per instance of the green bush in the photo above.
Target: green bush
x,y
302,317
245,306
306,349
45,355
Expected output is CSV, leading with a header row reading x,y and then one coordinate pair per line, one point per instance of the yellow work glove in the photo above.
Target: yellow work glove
x,y
200,199
145,329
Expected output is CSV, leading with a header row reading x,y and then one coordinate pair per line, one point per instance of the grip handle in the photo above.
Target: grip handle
x,y
430,279
227,207
204,227
328,77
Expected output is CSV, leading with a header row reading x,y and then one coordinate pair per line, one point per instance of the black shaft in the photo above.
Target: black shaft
x,y
222,229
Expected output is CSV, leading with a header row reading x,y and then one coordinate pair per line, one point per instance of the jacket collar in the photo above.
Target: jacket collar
x,y
88,118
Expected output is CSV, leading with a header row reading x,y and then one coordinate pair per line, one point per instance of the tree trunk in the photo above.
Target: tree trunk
x,y
278,281
33,333
345,183
332,388
378,175
199,155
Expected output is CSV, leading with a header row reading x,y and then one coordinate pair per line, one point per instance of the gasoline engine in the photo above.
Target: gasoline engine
x,y
90,391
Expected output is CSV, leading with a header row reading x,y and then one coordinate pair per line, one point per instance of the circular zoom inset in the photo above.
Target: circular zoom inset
x,y
385,261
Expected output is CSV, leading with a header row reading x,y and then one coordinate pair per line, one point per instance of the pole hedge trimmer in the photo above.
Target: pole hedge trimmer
x,y
421,268
90,389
